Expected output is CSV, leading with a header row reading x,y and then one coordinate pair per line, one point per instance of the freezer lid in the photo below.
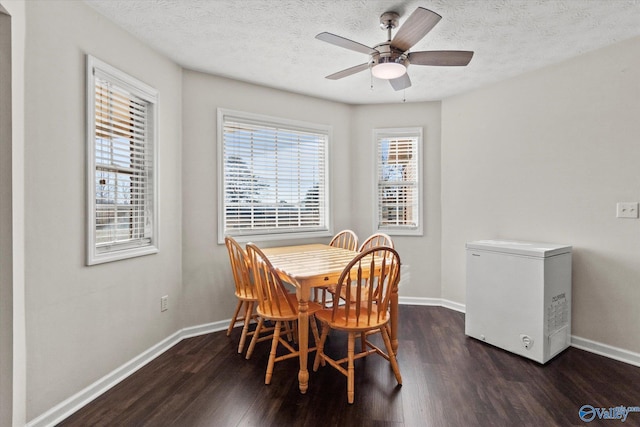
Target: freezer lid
x,y
535,249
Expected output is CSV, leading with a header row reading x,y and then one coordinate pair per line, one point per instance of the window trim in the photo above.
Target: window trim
x,y
282,122
150,95
399,132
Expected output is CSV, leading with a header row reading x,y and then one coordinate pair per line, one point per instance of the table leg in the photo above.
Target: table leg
x,y
394,320
303,337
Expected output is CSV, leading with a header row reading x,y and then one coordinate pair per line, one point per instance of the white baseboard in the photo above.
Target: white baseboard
x,y
83,397
419,301
606,350
452,305
440,302
207,328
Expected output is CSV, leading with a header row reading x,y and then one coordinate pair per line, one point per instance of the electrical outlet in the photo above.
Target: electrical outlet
x,y
627,210
164,303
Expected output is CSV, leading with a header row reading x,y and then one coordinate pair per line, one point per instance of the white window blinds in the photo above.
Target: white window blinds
x,y
274,177
122,156
398,171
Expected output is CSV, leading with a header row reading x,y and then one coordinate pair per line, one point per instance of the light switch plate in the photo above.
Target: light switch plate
x,y
627,210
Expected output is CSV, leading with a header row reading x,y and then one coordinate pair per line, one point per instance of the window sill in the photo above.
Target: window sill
x,y
244,238
118,255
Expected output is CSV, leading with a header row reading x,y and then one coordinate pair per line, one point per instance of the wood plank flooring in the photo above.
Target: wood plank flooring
x,y
448,380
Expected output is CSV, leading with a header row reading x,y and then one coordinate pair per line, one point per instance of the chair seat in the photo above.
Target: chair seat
x,y
285,311
341,321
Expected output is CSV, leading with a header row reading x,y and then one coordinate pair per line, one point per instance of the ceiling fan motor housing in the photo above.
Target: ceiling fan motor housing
x,y
388,54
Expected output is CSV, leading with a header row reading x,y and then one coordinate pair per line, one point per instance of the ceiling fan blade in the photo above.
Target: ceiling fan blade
x,y
345,43
447,58
401,82
419,23
348,71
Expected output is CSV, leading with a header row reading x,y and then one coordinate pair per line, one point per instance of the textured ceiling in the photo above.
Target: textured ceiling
x,y
272,42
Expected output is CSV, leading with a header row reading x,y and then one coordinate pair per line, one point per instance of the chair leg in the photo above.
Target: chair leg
x,y
254,340
392,356
320,348
245,328
272,354
316,337
288,330
295,332
350,368
235,317
314,330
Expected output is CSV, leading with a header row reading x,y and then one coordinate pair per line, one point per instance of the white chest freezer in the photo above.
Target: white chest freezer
x,y
519,296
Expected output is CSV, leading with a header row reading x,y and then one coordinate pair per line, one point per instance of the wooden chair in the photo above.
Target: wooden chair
x,y
275,303
377,239
245,291
345,239
368,281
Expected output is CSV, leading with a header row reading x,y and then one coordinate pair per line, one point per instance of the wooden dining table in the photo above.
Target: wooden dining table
x,y
311,266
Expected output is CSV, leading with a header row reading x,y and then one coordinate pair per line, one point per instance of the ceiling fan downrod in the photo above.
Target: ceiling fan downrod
x,y
389,21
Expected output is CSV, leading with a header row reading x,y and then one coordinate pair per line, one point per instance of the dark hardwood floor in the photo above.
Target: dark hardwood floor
x,y
448,380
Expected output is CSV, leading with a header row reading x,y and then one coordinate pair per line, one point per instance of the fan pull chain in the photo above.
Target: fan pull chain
x,y
371,77
404,95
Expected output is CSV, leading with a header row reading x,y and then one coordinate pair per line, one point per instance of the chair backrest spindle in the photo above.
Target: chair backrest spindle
x,y
345,239
377,239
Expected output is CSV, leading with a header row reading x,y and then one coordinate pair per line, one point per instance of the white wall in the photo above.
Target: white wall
x,y
208,285
6,225
83,322
420,255
545,157
14,380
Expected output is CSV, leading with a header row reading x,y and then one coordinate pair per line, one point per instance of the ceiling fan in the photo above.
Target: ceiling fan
x,y
389,60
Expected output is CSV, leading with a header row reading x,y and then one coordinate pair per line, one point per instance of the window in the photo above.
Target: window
x,y
272,177
399,181
122,165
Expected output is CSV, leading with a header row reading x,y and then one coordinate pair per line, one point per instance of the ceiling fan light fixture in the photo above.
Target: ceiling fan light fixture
x,y
388,70
390,60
